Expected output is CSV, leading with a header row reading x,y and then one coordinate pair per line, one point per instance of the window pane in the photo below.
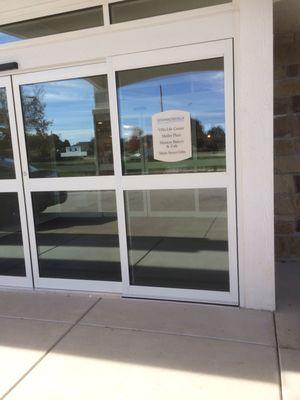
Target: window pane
x,y
11,244
135,9
77,235
192,92
67,127
7,169
53,24
181,242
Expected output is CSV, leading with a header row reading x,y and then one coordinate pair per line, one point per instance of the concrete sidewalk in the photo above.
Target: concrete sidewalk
x,y
58,346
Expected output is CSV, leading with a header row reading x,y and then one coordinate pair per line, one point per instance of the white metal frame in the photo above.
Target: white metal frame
x,y
58,184
16,186
182,181
121,183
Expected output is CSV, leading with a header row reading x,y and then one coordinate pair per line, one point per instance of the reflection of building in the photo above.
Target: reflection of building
x,y
74,151
102,145
85,146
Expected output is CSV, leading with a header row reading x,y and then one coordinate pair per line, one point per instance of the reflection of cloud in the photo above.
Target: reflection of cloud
x,y
207,127
217,76
63,97
199,92
76,135
71,90
202,80
71,83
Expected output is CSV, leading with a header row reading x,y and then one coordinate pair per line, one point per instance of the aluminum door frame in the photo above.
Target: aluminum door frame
x,y
85,183
193,52
16,186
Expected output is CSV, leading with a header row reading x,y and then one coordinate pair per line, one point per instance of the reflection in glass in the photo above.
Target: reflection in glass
x,y
7,169
181,242
77,235
67,127
129,10
52,24
195,87
11,244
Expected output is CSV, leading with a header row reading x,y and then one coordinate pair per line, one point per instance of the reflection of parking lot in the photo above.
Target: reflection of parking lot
x,y
176,238
180,239
78,239
11,249
172,239
11,252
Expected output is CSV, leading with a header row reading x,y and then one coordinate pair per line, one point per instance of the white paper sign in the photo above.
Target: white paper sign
x,y
172,137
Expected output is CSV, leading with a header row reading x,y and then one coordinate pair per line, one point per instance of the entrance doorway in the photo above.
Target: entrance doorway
x,y
120,176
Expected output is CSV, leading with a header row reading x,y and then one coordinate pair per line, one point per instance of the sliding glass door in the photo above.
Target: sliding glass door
x,y
67,158
122,176
174,118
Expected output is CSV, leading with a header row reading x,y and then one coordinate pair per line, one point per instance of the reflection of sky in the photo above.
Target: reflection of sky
x,y
69,105
199,92
6,38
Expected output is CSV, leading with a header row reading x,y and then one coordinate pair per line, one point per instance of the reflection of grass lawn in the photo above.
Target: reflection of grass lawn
x,y
86,166
79,167
205,162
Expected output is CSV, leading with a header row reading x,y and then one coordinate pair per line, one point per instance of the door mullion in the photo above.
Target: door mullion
x,y
113,104
15,185
26,195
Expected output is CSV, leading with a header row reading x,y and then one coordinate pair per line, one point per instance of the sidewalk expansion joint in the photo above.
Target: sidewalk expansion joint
x,y
278,357
51,348
162,332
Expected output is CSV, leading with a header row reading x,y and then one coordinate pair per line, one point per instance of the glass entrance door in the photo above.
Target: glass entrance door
x,y
67,159
15,263
174,117
127,172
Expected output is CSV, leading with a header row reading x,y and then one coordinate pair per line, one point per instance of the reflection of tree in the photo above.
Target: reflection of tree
x,y
133,145
42,145
5,140
34,112
211,140
216,138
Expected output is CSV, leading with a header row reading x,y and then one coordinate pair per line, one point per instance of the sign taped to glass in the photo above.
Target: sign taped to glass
x,y
172,138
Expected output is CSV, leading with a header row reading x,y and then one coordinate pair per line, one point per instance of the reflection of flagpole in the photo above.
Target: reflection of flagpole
x,y
161,99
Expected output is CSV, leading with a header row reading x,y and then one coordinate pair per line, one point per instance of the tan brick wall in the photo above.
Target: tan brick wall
x,y
287,145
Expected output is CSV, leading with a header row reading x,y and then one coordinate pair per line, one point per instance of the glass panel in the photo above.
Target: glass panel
x,y
7,169
181,242
67,127
192,92
52,24
135,9
77,235
136,201
11,243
